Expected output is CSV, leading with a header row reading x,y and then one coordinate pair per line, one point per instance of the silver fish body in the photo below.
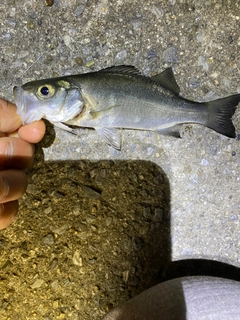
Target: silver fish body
x,y
120,97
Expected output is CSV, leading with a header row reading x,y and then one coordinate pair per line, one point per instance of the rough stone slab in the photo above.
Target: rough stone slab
x,y
115,233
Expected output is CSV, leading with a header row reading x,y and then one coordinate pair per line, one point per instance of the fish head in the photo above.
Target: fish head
x,y
56,100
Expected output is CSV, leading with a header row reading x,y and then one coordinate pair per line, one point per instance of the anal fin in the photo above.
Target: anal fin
x,y
174,131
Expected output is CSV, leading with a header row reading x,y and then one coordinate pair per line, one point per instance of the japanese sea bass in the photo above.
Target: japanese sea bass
x,y
120,97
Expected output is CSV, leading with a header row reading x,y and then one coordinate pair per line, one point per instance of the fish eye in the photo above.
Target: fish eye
x,y
45,91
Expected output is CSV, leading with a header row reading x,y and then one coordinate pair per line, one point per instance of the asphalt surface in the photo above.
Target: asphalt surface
x,y
97,225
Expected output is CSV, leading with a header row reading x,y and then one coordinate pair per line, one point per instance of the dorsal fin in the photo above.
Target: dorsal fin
x,y
167,80
129,70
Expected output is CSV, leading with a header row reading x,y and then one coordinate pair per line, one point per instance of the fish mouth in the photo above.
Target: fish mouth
x,y
26,106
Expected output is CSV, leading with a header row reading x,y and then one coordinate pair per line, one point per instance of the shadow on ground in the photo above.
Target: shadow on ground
x,y
90,235
202,267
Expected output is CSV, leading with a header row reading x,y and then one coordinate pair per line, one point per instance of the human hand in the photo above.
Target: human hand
x,y
16,155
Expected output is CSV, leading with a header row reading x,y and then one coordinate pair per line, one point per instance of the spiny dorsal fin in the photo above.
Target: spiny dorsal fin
x,y
129,70
167,80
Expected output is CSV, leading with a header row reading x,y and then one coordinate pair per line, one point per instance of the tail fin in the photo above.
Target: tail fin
x,y
220,114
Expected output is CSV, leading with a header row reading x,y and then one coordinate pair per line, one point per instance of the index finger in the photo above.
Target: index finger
x,y
9,119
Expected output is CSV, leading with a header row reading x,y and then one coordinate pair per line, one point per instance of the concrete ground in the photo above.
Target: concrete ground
x,y
97,226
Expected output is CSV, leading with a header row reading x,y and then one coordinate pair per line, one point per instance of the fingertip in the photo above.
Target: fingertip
x,y
32,132
9,119
8,213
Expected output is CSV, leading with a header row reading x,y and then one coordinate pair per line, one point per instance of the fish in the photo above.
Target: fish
x,y
120,97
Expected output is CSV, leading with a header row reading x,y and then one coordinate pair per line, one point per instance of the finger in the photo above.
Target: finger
x,y
15,153
9,119
32,132
8,212
13,184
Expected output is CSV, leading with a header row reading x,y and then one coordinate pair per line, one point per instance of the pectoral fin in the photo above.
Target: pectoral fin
x,y
173,131
103,112
111,135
